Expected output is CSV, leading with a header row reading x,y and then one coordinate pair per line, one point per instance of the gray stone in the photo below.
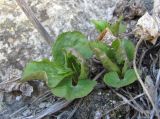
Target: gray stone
x,y
26,113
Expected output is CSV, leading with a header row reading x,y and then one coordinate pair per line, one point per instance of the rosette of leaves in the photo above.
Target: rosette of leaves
x,y
67,74
116,58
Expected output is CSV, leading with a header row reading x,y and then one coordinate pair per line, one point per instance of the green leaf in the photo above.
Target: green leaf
x,y
118,27
122,28
124,49
66,90
103,47
100,24
112,79
129,49
116,44
106,61
74,40
45,70
119,51
37,75
78,63
100,45
75,86
125,67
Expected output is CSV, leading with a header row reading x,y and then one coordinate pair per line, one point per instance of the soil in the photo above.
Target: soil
x,y
20,43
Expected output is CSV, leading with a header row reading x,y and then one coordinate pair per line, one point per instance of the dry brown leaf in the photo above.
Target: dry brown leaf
x,y
106,36
147,28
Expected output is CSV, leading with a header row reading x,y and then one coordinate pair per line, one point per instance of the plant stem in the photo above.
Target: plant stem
x,y
35,21
106,61
139,78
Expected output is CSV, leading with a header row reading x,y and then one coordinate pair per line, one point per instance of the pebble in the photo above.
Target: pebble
x,y
26,113
18,98
100,93
42,105
98,115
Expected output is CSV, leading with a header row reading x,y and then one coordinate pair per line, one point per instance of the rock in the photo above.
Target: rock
x,y
26,113
42,105
130,9
98,115
18,98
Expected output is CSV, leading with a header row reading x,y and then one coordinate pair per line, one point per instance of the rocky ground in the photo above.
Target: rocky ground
x,y
20,42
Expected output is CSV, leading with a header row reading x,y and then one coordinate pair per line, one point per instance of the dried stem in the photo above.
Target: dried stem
x,y
34,21
139,78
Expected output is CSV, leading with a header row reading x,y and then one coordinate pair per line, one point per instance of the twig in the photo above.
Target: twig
x,y
139,78
9,81
34,101
18,111
34,21
75,109
158,79
134,101
123,103
52,109
141,59
128,102
99,75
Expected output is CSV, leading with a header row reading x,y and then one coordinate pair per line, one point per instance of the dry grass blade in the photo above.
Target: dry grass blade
x,y
99,75
75,109
18,111
37,100
158,79
123,103
9,81
139,109
52,109
139,78
134,101
35,21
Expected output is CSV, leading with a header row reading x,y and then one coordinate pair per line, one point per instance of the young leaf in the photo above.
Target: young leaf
x,y
103,47
119,52
45,70
125,67
124,49
100,24
100,45
112,79
74,40
129,49
106,61
79,60
77,85
122,28
118,27
70,92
